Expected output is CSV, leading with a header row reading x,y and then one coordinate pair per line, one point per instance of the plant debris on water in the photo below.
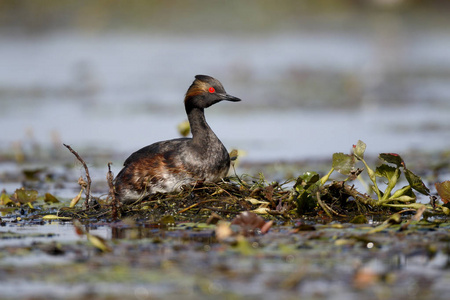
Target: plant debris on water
x,y
357,229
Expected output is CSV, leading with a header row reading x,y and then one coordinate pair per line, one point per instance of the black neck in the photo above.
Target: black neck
x,y
201,132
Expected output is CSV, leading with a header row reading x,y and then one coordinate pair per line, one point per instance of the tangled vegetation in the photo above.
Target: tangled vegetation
x,y
310,196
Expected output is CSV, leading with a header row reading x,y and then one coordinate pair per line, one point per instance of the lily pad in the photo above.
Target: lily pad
x,y
26,196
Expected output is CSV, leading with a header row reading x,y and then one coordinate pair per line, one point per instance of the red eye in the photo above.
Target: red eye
x,y
211,90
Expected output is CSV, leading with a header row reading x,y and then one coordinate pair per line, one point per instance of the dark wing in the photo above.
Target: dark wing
x,y
155,149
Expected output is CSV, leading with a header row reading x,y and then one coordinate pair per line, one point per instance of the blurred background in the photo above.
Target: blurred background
x,y
314,76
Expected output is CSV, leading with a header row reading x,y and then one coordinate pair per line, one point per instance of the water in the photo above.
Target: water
x,y
304,95
122,92
342,263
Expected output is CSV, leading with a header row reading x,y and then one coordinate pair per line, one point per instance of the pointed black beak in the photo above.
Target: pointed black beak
x,y
230,98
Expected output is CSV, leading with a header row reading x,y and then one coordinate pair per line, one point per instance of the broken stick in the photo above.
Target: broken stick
x,y
88,186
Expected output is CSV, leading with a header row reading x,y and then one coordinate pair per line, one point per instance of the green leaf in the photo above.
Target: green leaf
x,y
306,180
305,186
25,196
305,203
343,163
416,182
443,189
167,220
32,174
392,158
359,149
310,178
386,171
4,199
50,198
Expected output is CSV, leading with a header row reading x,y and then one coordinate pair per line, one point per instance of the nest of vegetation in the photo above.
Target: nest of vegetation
x,y
308,196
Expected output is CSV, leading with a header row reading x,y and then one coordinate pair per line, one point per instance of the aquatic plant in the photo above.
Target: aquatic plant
x,y
310,196
311,191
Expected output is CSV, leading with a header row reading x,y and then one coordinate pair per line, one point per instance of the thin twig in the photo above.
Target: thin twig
x,y
197,204
414,219
324,207
221,210
114,201
88,187
238,178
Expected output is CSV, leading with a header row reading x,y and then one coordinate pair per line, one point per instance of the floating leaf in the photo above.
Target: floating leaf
x,y
394,219
265,228
343,163
416,182
249,222
303,227
359,149
50,198
361,219
443,189
167,221
98,242
392,158
76,199
79,230
95,240
55,217
8,209
25,196
32,174
223,230
4,199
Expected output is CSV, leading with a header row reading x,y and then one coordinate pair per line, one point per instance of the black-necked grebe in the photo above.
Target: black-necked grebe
x,y
168,165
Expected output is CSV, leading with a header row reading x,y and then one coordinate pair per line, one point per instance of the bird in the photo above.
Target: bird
x,y
167,166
